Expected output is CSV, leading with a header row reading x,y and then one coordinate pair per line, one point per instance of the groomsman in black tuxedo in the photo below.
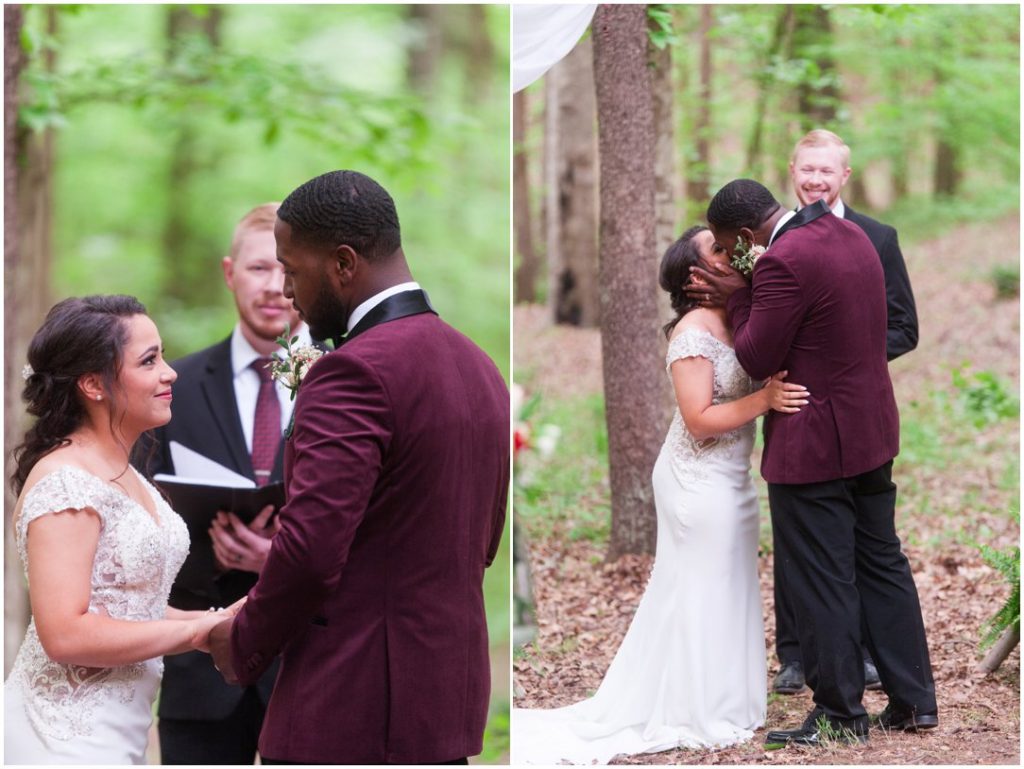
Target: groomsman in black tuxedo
x,y
228,409
819,169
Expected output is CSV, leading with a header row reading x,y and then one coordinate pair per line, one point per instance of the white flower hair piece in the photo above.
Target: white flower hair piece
x,y
26,372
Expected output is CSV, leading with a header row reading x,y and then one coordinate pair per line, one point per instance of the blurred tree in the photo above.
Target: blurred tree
x,y
573,294
628,272
185,244
667,182
522,217
15,597
698,188
425,46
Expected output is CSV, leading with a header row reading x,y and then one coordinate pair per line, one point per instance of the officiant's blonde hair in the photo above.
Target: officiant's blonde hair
x,y
820,137
260,218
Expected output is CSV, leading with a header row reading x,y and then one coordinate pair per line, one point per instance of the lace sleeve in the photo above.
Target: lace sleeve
x,y
691,343
64,489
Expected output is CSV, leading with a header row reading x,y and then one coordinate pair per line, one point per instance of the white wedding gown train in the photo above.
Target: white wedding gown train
x,y
691,669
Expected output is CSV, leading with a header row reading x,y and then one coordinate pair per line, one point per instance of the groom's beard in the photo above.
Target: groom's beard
x,y
328,315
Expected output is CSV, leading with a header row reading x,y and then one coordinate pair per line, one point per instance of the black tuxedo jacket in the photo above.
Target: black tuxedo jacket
x,y
901,332
205,419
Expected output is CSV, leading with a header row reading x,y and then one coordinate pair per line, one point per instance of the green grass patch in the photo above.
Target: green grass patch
x,y
567,491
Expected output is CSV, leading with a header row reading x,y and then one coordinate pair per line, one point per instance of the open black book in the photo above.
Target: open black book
x,y
198,500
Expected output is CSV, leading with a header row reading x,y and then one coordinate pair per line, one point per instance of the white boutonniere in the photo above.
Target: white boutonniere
x,y
292,368
744,256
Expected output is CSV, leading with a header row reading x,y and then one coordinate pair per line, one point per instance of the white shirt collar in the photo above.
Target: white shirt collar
x,y
243,353
839,209
778,225
360,312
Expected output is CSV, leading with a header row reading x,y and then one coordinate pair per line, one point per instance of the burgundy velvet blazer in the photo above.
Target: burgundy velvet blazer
x,y
397,474
817,309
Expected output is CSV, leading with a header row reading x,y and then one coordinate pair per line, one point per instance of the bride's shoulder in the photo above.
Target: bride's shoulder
x,y
60,465
695,321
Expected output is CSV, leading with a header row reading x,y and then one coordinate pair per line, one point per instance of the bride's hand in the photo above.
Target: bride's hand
x,y
236,607
785,397
202,626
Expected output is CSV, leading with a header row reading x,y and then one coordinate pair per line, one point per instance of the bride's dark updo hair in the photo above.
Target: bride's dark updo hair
x,y
675,274
79,336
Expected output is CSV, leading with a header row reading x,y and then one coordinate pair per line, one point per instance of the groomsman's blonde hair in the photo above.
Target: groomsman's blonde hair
x,y
820,137
260,218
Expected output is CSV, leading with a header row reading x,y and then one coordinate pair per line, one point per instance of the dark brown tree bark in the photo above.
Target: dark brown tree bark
x,y
947,168
633,387
522,218
574,291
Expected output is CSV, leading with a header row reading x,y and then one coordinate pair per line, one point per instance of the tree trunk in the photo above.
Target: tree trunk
x,y
552,241
574,292
1001,650
947,171
628,273
666,177
189,281
479,53
424,52
699,178
781,40
526,269
812,40
28,185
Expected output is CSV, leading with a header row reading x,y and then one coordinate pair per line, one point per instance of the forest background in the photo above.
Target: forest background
x,y
605,178
138,136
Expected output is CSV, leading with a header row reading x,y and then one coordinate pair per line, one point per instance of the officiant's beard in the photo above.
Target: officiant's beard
x,y
327,316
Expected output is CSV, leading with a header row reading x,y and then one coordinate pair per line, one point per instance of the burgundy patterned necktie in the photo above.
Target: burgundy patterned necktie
x,y
266,425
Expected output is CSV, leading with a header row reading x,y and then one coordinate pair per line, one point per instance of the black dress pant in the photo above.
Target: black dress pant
x,y
842,566
232,740
787,644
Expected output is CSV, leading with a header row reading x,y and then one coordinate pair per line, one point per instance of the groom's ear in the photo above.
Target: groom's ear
x,y
747,234
343,264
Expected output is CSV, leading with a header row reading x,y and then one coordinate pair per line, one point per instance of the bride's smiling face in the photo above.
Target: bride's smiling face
x,y
142,397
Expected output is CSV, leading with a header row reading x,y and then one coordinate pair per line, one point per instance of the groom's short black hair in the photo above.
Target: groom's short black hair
x,y
741,203
344,208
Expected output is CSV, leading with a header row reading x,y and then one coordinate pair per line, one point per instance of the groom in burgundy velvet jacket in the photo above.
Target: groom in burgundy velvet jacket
x,y
397,470
817,308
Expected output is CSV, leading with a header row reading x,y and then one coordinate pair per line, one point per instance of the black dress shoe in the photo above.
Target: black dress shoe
x,y
789,679
819,730
900,720
871,680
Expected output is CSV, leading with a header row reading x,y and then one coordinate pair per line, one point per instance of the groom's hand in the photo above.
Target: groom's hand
x,y
237,546
220,650
716,286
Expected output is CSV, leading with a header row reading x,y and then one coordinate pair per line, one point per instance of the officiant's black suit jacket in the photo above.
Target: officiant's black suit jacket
x,y
205,419
901,331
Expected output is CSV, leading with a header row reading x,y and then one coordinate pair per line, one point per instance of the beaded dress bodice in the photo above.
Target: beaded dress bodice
x,y
137,558
689,457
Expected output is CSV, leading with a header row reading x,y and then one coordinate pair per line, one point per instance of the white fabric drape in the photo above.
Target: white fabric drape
x,y
542,35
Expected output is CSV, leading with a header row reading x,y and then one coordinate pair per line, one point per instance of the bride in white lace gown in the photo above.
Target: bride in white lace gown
x,y
691,669
99,544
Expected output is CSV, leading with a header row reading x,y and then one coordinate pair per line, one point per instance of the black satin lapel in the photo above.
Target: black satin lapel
x,y
394,307
805,215
219,388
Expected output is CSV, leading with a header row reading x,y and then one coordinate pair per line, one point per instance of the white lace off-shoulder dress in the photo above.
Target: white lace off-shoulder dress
x,y
71,714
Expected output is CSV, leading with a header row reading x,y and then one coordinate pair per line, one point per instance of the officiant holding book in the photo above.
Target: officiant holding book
x,y
228,409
